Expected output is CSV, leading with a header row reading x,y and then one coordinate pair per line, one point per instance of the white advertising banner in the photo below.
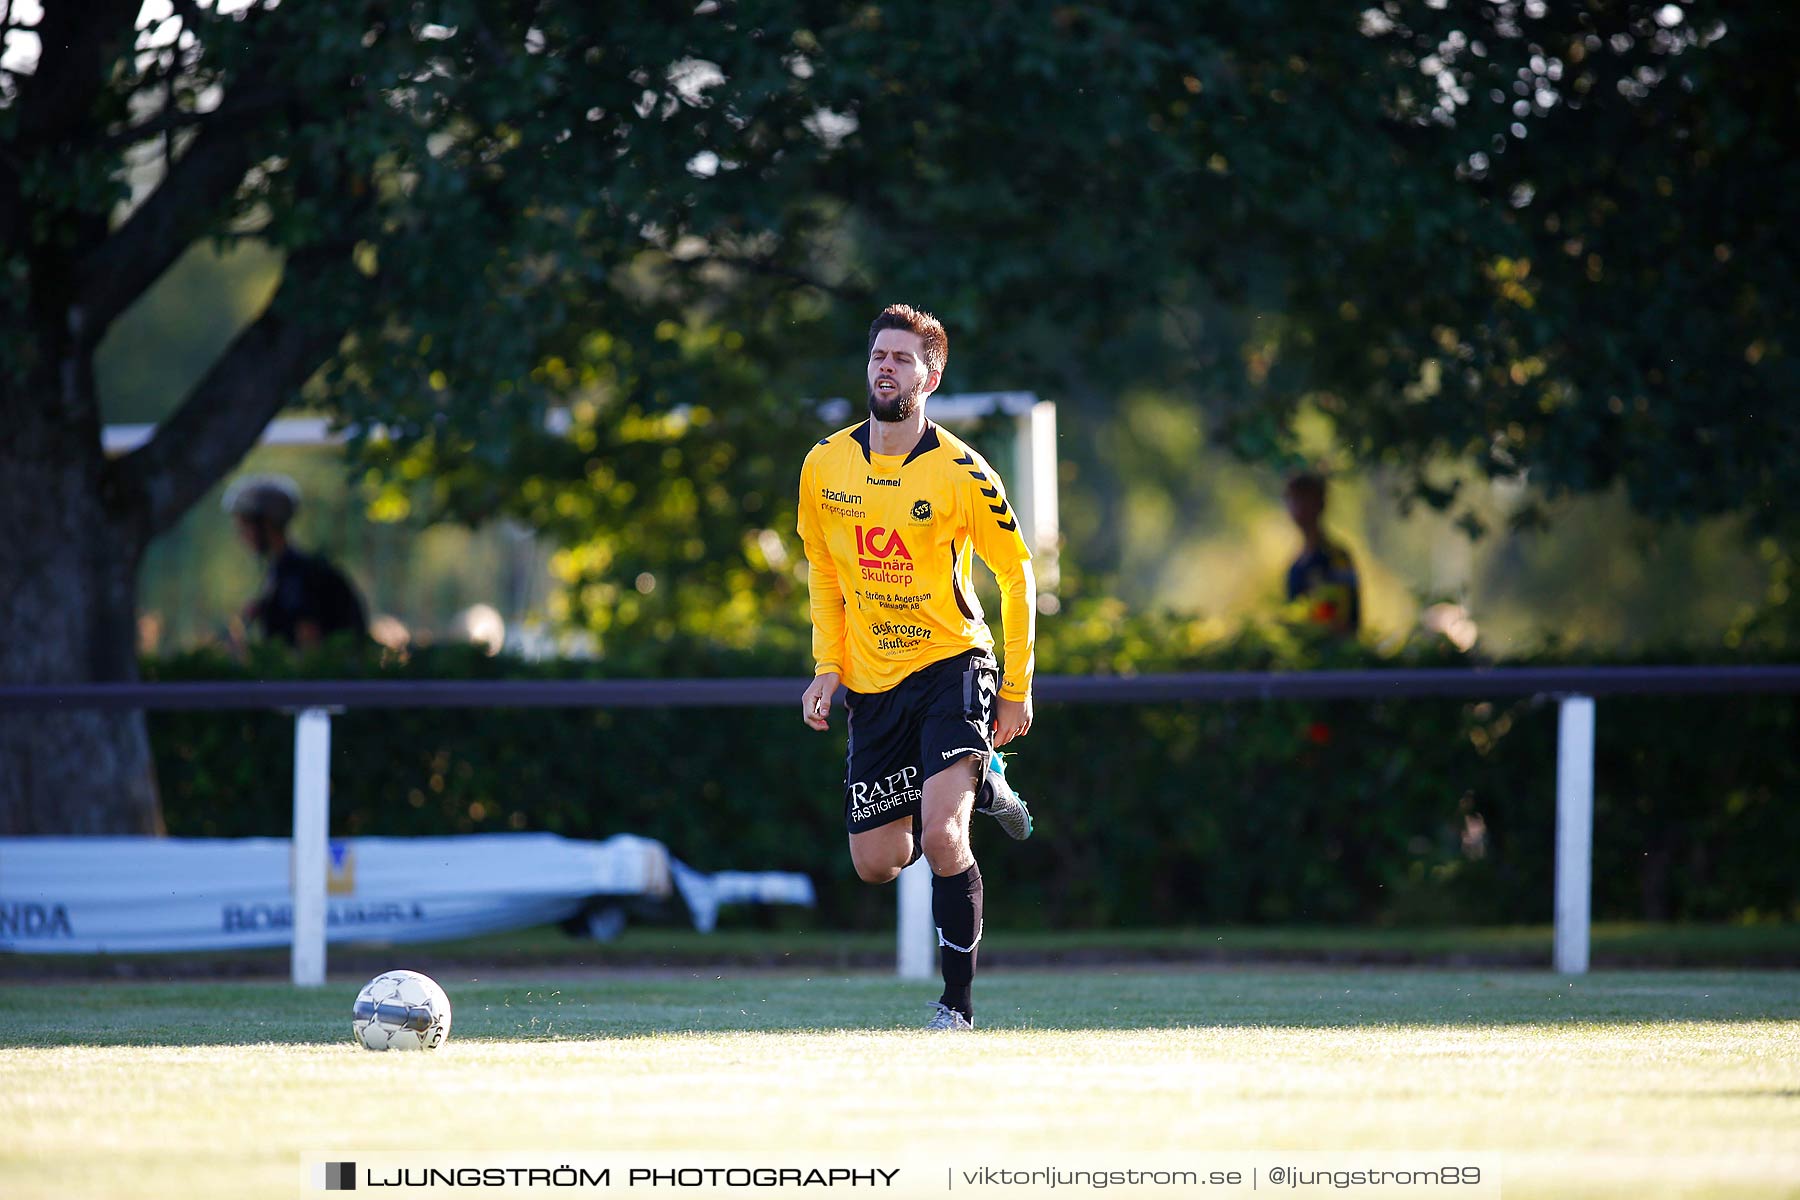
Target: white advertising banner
x,y
132,894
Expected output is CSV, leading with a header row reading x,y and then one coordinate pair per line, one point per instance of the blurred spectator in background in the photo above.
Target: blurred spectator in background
x,y
1323,577
304,599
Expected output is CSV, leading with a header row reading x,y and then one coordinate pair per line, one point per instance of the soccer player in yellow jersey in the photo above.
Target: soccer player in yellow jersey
x,y
890,511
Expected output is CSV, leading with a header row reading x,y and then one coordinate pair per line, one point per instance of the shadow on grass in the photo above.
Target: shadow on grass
x,y
1127,1000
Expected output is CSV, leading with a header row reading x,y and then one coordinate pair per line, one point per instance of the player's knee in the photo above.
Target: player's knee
x,y
881,861
876,872
946,843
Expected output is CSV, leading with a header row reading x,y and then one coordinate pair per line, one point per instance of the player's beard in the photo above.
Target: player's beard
x,y
895,408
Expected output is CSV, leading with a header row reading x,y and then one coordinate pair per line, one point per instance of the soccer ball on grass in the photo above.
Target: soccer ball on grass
x,y
401,1010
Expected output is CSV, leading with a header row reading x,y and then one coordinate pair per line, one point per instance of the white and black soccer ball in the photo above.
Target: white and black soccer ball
x,y
401,1010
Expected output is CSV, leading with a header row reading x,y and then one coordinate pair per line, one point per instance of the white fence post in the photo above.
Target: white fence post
x,y
312,823
916,940
1574,832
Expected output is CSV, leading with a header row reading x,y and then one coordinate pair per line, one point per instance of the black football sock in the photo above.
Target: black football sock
x,y
956,907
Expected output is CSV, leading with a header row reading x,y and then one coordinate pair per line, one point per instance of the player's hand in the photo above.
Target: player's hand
x,y
815,705
1011,719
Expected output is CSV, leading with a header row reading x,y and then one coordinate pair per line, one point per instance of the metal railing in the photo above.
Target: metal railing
x,y
1574,688
1467,683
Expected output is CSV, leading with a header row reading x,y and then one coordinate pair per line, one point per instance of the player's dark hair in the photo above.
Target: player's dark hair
x,y
914,320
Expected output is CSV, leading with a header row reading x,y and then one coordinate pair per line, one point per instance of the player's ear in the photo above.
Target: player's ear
x,y
931,382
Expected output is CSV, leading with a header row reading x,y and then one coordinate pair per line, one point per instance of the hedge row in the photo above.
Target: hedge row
x,y
1408,812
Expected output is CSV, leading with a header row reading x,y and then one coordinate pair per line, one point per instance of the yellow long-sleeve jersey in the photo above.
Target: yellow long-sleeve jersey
x,y
889,540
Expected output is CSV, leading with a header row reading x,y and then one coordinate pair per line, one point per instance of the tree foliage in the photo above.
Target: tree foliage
x,y
1607,293
1553,237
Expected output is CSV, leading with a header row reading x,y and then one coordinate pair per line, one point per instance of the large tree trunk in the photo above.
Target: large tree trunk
x,y
68,614
73,526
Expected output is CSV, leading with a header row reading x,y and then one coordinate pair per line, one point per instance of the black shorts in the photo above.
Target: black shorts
x,y
901,737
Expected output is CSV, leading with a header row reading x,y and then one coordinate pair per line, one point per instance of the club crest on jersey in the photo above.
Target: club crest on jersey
x,y
921,512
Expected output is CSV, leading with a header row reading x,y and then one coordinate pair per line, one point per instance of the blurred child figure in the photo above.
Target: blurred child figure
x,y
1323,576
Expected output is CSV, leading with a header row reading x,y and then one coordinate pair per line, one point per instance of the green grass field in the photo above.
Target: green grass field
x,y
1618,1084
